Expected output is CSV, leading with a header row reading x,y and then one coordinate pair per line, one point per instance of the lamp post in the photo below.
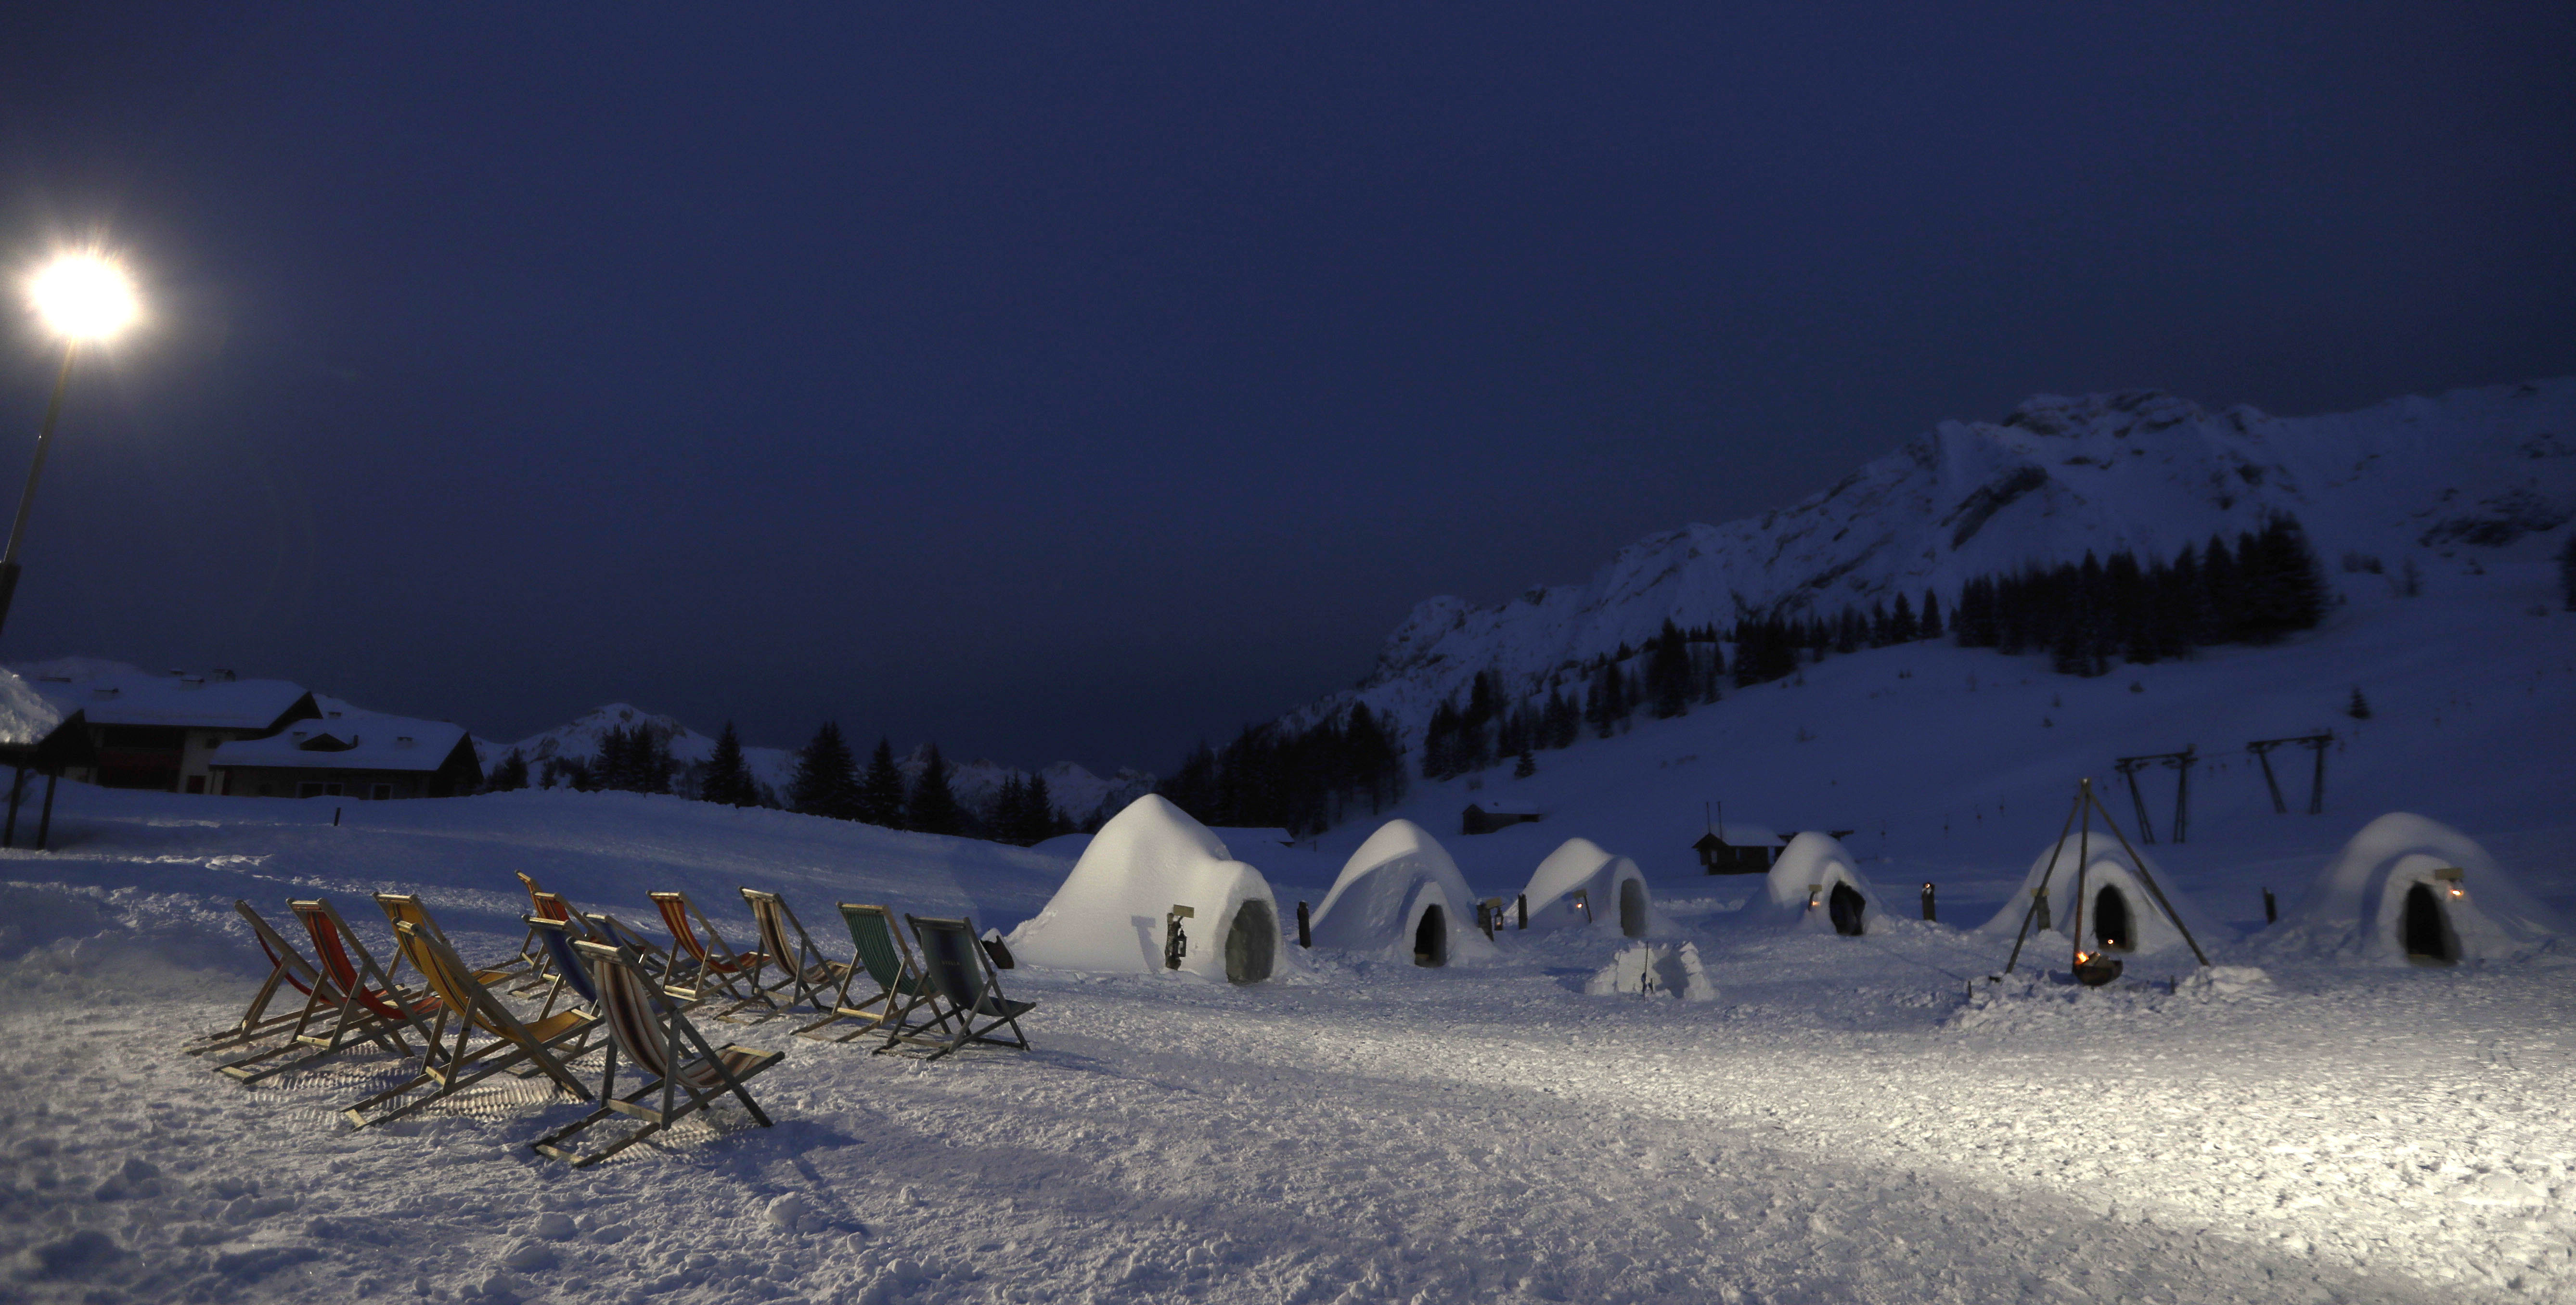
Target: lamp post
x,y
82,298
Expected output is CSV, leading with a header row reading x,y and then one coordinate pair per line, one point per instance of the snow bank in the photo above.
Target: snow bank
x,y
26,716
1815,886
2115,891
1654,970
1387,895
1581,886
1109,916
2358,907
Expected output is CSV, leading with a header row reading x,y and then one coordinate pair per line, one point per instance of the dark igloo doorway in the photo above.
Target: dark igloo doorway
x,y
1431,937
1846,906
2426,934
1632,908
2112,926
1251,943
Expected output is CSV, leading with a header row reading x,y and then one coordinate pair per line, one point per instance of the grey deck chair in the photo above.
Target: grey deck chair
x,y
964,983
653,1032
802,966
883,962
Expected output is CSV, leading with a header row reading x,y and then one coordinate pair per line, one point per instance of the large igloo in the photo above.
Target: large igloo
x,y
1814,886
2121,915
1581,886
2409,889
1110,913
1400,896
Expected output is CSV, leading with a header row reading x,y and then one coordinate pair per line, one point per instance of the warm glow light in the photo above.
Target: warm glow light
x,y
83,297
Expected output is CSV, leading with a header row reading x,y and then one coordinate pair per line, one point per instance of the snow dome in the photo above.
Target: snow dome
x,y
1814,885
2409,889
1579,885
1110,913
1401,895
2122,915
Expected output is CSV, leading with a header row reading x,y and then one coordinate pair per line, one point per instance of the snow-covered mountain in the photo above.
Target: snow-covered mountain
x,y
1076,791
2440,480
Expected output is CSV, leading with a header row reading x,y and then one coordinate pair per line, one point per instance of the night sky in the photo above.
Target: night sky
x,y
1078,381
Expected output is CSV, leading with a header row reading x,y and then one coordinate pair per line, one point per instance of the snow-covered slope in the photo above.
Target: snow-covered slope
x,y
2443,480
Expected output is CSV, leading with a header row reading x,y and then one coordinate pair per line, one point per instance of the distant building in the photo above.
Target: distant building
x,y
1741,849
362,755
159,731
1486,817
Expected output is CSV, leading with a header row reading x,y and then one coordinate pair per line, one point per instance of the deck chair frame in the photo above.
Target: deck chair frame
x,y
346,1011
882,956
801,965
452,1065
286,968
712,971
401,908
652,1029
963,980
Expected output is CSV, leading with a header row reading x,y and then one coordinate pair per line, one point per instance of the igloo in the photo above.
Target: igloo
x,y
2122,915
2411,890
1110,913
1581,886
1817,886
1401,896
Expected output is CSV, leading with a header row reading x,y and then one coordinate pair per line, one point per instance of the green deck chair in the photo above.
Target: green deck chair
x,y
885,963
964,988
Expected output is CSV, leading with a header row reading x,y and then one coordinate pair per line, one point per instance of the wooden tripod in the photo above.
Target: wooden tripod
x,y
2080,819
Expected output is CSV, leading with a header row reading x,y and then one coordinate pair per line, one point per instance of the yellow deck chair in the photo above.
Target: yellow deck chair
x,y
455,1061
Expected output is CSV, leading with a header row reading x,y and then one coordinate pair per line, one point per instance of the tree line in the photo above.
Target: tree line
x,y
1303,781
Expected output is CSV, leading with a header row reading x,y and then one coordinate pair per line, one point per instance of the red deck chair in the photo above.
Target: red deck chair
x,y
718,971
361,1003
286,968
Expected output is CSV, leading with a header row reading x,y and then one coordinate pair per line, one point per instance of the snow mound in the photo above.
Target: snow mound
x,y
1109,915
2404,869
26,716
1581,886
2122,914
1388,895
1814,886
1654,970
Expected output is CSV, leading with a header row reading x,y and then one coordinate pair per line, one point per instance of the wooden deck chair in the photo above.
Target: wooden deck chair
x,y
407,908
801,965
653,1032
600,926
885,964
471,1008
963,978
711,971
286,968
359,1003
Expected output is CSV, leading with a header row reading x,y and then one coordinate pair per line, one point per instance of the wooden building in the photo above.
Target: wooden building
x,y
159,731
1486,817
360,755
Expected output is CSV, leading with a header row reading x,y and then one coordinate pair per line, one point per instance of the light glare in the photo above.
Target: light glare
x,y
83,297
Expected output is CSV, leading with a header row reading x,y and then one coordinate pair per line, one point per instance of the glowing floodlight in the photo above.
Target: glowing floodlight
x,y
83,297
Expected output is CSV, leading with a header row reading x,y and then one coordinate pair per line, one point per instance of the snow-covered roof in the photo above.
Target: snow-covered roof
x,y
1737,833
1386,888
108,693
361,741
2354,909
1151,857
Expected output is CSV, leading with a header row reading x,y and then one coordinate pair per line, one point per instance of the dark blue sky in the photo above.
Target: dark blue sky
x,y
1074,385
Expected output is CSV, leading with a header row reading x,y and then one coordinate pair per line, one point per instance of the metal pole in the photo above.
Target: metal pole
x,y
2264,755
2182,796
2083,860
27,498
45,818
2153,888
2129,771
2317,790
17,794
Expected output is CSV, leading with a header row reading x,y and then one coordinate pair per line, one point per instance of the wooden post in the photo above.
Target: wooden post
x,y
45,819
2263,753
17,793
1523,899
2271,908
2317,787
1927,902
1305,935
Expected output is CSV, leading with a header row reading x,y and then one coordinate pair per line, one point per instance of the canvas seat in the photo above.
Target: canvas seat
x,y
407,908
358,1003
286,968
800,965
454,1061
704,969
555,906
883,961
964,988
653,1032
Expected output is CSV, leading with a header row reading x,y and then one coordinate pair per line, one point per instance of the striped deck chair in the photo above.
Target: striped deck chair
x,y
711,971
358,1003
599,926
653,1032
962,978
885,963
286,968
471,1008
801,965
407,908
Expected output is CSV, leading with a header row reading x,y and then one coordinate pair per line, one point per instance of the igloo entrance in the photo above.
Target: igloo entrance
x,y
2112,927
1632,908
1251,944
2426,934
1846,906
1431,937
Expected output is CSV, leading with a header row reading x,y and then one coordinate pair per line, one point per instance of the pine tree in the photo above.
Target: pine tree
x,y
1526,766
1900,627
2566,571
827,779
1038,811
1931,615
1009,814
2359,707
1668,674
934,808
727,779
511,772
881,794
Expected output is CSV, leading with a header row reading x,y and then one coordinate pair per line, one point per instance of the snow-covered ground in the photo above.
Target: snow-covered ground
x,y
1847,1119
